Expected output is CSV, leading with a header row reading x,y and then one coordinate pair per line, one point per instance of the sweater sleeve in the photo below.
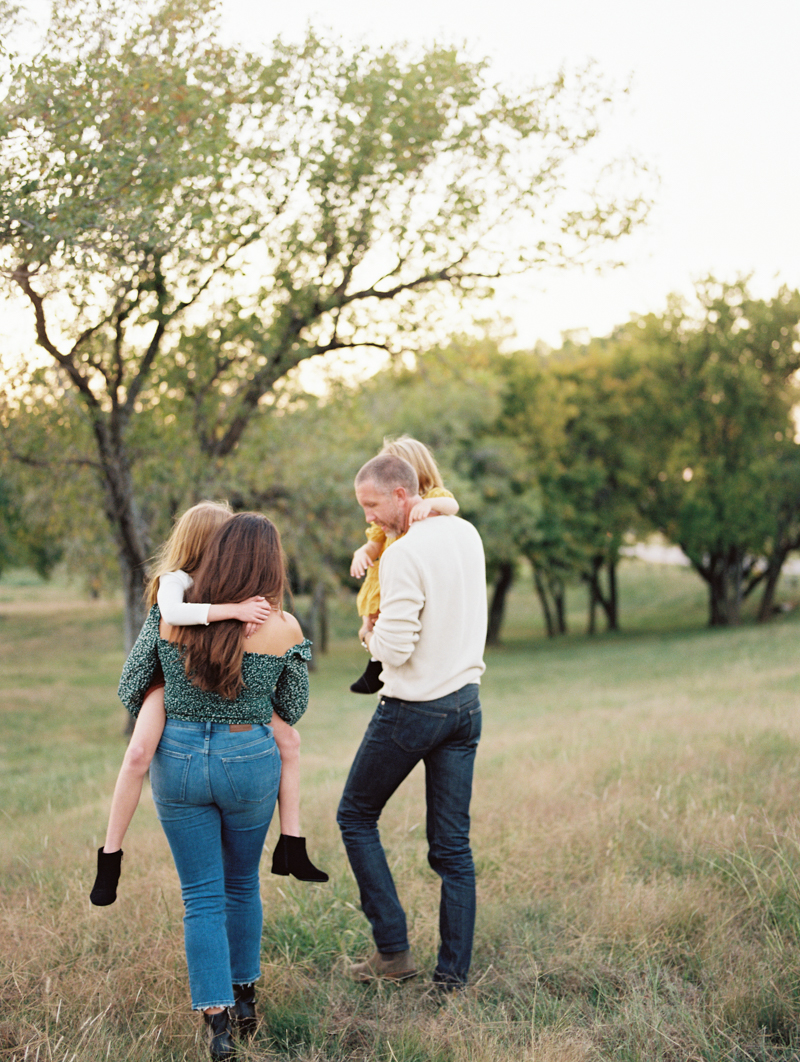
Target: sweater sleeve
x,y
290,697
142,664
172,588
396,632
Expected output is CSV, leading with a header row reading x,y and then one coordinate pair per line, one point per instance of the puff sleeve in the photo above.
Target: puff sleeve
x,y
142,664
290,696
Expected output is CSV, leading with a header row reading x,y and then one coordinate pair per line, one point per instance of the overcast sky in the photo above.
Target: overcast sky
x,y
714,107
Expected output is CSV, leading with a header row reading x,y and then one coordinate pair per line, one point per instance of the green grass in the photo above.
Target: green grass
x,y
635,827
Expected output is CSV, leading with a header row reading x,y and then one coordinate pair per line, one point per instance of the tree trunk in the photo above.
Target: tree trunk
x,y
612,612
723,573
133,587
607,601
559,593
591,582
552,595
315,623
541,590
321,609
127,528
774,568
497,606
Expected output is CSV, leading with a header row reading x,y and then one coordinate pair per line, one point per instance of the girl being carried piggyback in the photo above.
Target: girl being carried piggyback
x,y
171,580
436,501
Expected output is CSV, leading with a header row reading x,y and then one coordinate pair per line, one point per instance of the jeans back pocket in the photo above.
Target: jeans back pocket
x,y
416,729
475,723
168,774
253,778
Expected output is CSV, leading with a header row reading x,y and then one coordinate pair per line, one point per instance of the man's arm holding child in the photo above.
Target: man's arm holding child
x,y
396,632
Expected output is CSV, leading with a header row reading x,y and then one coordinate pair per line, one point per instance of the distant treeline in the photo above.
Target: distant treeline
x,y
682,423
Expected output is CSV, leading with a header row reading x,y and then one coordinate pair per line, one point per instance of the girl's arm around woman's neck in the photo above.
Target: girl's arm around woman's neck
x,y
274,637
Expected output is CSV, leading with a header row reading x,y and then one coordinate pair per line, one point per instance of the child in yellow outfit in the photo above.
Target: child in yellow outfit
x,y
436,501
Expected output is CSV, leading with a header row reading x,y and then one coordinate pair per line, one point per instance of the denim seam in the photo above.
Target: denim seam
x,y
219,1003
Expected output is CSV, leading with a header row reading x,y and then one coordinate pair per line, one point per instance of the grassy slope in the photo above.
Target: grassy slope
x,y
635,831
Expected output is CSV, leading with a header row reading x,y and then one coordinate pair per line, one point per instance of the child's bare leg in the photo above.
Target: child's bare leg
x,y
370,680
290,855
143,744
288,741
138,756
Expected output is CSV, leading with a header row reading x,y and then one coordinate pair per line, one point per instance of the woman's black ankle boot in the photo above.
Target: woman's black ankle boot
x,y
220,1042
370,681
109,867
290,857
243,1011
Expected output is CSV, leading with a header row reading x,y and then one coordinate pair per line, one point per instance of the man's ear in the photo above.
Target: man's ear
x,y
400,493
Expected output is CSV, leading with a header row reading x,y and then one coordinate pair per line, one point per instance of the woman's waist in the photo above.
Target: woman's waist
x,y
208,726
190,705
184,738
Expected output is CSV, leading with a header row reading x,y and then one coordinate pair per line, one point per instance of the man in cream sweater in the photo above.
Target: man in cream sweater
x,y
430,638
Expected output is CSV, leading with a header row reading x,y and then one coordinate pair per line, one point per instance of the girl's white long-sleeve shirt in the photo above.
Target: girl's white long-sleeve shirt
x,y
172,589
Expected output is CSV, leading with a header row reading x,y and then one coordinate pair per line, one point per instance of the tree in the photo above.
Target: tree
x,y
188,221
535,411
21,543
713,407
781,489
598,481
505,505
451,401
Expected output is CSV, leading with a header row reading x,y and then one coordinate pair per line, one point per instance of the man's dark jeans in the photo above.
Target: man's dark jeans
x,y
443,734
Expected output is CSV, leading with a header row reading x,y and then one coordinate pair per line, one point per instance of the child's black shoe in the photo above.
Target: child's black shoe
x,y
104,890
290,857
370,681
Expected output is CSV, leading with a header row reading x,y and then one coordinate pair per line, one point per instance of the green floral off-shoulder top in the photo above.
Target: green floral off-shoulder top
x,y
278,683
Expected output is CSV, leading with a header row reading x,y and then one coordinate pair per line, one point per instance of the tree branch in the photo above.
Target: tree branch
x,y
22,276
163,320
38,462
448,273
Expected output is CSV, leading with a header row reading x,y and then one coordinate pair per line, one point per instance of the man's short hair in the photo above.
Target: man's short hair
x,y
387,472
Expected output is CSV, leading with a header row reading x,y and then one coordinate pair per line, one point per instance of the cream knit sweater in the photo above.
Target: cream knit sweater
x,y
431,631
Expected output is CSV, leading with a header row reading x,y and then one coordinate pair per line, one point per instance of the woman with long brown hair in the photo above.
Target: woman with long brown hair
x,y
216,771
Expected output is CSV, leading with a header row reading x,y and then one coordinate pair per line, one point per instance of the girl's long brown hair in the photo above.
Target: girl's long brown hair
x,y
244,559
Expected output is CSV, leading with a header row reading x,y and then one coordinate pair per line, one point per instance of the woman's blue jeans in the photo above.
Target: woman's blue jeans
x,y
443,734
215,789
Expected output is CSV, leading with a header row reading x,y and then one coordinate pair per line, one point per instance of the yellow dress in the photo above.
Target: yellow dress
x,y
368,601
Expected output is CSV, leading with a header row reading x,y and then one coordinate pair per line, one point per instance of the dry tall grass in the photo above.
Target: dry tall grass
x,y
636,833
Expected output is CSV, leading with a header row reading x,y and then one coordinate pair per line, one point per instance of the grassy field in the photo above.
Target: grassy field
x,y
636,833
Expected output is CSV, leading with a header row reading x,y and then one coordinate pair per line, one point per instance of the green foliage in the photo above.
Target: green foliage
x,y
714,399
53,515
187,221
21,545
678,423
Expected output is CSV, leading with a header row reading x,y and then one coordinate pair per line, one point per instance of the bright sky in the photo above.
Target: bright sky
x,y
714,105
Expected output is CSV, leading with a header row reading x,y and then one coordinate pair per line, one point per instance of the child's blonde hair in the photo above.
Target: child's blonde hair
x,y
184,547
418,456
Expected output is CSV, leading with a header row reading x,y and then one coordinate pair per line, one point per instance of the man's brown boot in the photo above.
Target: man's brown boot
x,y
391,966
